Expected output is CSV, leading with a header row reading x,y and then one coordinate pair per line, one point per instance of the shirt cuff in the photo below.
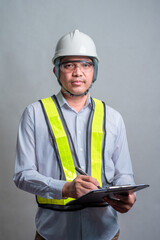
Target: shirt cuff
x,y
56,189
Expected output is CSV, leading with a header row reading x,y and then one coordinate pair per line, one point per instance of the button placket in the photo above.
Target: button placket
x,y
80,142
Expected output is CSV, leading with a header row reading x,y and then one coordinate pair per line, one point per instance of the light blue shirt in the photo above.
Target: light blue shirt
x,y
37,171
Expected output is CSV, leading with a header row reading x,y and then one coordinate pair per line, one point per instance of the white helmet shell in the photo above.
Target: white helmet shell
x,y
75,43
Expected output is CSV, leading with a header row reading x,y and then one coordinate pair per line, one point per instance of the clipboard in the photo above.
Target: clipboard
x,y
96,196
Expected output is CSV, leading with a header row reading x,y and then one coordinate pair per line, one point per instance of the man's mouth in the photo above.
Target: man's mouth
x,y
77,82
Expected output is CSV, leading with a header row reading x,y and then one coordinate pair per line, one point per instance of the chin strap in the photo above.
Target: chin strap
x,y
76,95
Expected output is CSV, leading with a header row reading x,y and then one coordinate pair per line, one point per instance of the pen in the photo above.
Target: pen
x,y
83,173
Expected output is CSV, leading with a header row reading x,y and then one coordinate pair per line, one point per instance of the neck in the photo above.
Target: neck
x,y
76,102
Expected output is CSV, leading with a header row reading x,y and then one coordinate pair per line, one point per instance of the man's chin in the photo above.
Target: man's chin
x,y
75,93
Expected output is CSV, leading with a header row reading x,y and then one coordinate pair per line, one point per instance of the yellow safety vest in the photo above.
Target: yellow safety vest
x,y
64,150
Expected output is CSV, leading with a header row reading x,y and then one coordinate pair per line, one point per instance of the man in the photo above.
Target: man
x,y
72,130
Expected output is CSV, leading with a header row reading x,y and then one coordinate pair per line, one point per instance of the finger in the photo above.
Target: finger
x,y
89,179
113,204
82,186
88,185
118,205
130,199
122,197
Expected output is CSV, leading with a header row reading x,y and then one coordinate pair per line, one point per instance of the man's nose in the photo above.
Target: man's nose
x,y
77,70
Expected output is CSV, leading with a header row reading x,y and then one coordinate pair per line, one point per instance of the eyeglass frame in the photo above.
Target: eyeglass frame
x,y
75,61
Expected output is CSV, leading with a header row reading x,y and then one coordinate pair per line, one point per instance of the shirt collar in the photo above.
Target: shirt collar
x,y
62,101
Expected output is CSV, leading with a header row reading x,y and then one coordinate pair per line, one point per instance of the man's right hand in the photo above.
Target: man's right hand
x,y
79,186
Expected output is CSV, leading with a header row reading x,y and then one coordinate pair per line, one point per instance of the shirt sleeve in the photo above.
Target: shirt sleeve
x,y
26,175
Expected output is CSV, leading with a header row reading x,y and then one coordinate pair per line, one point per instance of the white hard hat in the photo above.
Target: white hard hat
x,y
75,43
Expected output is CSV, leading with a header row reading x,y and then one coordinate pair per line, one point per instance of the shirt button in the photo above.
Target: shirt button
x,y
81,149
79,132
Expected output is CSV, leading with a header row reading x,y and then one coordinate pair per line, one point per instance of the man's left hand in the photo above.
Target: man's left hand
x,y
122,203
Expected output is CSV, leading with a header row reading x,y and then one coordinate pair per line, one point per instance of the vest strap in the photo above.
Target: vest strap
x,y
60,138
97,141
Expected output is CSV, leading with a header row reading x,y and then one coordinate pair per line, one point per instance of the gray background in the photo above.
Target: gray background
x,y
127,35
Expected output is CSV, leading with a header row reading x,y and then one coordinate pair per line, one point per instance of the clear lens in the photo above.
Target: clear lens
x,y
85,66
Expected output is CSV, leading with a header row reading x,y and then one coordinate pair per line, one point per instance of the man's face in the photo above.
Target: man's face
x,y
76,77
